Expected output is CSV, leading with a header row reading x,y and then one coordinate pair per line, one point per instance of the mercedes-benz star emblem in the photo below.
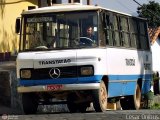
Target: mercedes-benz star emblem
x,y
54,73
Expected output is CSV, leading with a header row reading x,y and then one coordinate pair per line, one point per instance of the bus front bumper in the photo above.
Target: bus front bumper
x,y
58,87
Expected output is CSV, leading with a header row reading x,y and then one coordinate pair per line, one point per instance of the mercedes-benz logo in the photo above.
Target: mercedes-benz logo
x,y
54,73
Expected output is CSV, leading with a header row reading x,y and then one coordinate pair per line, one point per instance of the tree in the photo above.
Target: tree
x,y
151,11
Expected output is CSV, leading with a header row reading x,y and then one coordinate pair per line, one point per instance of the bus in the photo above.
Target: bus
x,y
57,61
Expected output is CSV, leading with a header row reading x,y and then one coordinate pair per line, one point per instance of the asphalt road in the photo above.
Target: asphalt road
x,y
108,115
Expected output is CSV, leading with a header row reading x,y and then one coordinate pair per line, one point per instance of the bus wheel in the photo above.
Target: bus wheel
x,y
30,103
132,102
72,106
100,98
137,98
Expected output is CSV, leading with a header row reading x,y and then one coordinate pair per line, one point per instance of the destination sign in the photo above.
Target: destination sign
x,y
39,19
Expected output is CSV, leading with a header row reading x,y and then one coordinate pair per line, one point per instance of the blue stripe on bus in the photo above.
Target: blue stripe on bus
x,y
92,79
115,88
129,77
128,88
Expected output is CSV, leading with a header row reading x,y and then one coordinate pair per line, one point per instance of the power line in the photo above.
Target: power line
x,y
137,3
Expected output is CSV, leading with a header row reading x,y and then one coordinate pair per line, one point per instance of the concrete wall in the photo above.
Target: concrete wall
x,y
8,91
9,11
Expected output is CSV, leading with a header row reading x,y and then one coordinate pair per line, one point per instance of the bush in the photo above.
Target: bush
x,y
155,106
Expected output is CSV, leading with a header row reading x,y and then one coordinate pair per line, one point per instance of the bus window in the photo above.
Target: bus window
x,y
124,32
116,31
133,32
62,30
107,29
103,31
143,36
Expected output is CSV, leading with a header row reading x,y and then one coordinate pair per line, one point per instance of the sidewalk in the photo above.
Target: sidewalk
x,y
8,65
7,110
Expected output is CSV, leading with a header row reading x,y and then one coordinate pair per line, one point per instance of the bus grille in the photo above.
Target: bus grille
x,y
65,72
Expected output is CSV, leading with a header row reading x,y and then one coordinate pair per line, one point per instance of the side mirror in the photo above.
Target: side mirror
x,y
18,25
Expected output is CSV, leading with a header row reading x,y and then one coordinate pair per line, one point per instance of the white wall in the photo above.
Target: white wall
x,y
156,55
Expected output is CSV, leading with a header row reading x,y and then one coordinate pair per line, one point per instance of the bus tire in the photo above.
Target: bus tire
x,y
100,98
132,102
30,103
137,98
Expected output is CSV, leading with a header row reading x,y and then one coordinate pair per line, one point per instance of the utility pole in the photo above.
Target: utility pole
x,y
51,2
74,1
79,1
88,2
70,1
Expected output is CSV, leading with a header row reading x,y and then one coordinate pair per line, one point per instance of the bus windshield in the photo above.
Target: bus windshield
x,y
59,31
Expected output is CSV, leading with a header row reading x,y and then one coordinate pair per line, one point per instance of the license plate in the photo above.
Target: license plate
x,y
54,87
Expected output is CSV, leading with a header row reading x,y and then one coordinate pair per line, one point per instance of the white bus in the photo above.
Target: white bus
x,y
56,59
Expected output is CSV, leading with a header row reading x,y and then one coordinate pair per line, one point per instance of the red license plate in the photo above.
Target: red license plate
x,y
54,87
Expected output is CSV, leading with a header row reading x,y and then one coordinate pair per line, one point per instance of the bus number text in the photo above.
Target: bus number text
x,y
130,62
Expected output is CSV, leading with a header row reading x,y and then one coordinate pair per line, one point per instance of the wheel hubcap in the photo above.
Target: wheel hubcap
x,y
103,96
138,97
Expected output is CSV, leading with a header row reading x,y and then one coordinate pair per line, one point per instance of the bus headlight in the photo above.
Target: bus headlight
x,y
87,71
25,74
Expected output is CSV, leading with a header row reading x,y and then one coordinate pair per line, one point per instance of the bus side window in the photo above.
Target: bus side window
x,y
133,33
124,32
143,36
116,30
102,31
107,30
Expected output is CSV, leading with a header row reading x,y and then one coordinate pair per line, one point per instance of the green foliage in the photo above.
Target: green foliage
x,y
155,77
151,11
155,106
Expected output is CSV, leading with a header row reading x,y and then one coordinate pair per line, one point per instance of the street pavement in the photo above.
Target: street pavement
x,y
108,115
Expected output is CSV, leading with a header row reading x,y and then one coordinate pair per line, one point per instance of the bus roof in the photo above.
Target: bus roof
x,y
69,8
